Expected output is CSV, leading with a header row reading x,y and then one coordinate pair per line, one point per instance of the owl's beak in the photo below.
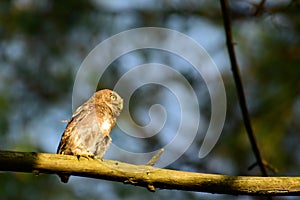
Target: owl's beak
x,y
120,106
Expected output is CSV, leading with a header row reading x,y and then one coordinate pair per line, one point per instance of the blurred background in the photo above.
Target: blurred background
x,y
43,44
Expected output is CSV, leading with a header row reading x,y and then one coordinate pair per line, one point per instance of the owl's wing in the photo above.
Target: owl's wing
x,y
83,110
88,130
71,142
71,139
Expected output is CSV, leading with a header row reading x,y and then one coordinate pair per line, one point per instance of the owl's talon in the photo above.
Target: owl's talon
x,y
87,156
98,158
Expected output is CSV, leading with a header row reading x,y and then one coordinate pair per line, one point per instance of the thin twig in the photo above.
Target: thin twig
x,y
155,158
239,86
267,165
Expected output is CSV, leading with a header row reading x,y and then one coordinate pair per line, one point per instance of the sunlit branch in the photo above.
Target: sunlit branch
x,y
147,176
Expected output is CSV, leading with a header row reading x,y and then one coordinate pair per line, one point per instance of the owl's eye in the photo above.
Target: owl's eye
x,y
113,97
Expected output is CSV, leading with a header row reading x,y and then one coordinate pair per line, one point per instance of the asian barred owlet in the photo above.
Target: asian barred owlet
x,y
87,132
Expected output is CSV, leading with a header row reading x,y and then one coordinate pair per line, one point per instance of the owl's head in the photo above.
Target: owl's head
x,y
111,99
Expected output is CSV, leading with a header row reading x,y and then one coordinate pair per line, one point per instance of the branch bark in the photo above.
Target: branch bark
x,y
148,176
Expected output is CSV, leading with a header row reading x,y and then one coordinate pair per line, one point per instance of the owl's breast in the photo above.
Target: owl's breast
x,y
106,125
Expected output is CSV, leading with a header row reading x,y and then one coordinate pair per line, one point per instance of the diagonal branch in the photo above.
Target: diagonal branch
x,y
155,157
148,176
239,86
260,7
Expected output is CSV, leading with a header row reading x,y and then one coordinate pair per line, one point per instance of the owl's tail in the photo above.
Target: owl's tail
x,y
64,177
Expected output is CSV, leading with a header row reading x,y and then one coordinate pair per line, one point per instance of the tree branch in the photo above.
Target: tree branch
x,y
239,86
260,7
155,158
147,176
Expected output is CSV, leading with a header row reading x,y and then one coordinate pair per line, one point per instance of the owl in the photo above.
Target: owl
x,y
87,132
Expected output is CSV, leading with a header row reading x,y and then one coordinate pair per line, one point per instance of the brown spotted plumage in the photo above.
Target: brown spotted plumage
x,y
87,132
